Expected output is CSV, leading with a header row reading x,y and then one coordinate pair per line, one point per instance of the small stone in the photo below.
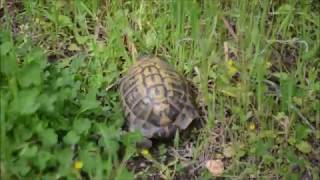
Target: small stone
x,y
215,167
143,164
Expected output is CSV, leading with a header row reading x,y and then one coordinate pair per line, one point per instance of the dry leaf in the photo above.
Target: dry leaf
x,y
215,167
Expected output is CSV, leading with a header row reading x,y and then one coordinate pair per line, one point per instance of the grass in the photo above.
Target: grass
x,y
256,67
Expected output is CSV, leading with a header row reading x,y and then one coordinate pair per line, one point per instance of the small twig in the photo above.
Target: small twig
x,y
275,86
130,46
226,51
114,84
111,86
97,30
230,29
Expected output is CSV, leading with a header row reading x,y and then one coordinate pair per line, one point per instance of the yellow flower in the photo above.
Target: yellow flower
x,y
145,152
252,126
232,70
78,165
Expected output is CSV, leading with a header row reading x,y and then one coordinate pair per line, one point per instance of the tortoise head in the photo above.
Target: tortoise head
x,y
146,57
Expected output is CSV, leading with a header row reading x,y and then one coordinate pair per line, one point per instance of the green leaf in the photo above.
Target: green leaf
x,y
36,56
82,39
262,148
8,64
30,74
90,161
29,151
64,21
292,158
151,39
110,137
123,173
21,167
81,125
42,159
130,139
301,132
26,102
89,102
24,132
6,47
48,137
292,176
64,156
77,63
304,147
71,138
47,101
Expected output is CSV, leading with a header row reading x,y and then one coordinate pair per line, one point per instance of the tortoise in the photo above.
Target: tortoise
x,y
156,99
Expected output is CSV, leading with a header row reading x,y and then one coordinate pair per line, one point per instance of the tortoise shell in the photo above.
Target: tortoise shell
x,y
156,99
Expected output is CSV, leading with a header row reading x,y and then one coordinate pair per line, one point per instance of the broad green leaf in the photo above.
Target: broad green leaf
x,y
24,132
76,63
8,64
29,151
21,167
262,148
64,21
151,39
301,132
81,125
30,74
292,176
71,138
48,137
5,48
42,159
95,82
304,147
47,101
89,102
64,156
82,39
26,102
131,138
292,158
90,160
36,56
110,138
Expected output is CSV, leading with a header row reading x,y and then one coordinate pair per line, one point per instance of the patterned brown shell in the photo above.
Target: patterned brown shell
x,y
156,99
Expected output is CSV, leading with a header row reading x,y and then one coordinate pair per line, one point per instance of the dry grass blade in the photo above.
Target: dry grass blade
x,y
230,29
130,46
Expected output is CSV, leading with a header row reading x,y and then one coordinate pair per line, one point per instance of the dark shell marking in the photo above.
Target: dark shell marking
x,y
156,99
